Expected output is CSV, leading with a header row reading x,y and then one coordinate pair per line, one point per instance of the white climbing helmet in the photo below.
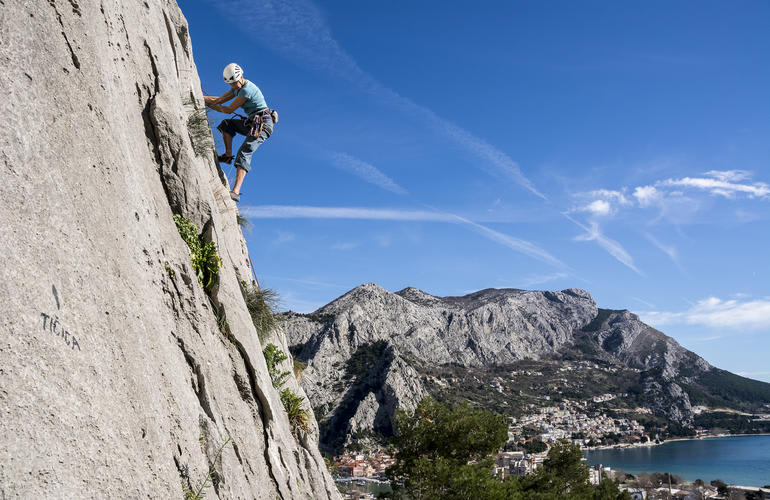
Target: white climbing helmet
x,y
232,73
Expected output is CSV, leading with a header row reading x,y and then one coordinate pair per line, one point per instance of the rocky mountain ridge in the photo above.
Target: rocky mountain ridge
x,y
371,351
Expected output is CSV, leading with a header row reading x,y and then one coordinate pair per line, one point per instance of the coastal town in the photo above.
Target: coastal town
x,y
572,420
531,435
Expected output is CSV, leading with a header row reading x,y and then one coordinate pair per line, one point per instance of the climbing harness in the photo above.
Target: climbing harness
x,y
256,121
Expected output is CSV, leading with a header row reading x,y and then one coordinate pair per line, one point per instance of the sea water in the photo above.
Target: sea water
x,y
741,460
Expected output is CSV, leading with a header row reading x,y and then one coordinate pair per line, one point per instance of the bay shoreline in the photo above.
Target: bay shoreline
x,y
672,440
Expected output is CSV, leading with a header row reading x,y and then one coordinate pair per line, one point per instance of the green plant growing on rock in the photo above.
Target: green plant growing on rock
x,y
199,492
261,303
203,254
292,403
273,358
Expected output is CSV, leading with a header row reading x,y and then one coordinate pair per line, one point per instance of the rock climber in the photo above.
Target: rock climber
x,y
257,126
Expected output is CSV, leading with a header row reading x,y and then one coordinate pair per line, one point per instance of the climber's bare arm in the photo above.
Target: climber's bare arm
x,y
211,99
215,102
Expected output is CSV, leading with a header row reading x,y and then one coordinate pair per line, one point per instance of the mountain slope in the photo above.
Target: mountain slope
x,y
371,351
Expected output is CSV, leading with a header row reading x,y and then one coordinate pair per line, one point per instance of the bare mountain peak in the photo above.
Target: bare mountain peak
x,y
418,297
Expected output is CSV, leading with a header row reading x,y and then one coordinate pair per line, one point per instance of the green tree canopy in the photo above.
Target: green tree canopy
x,y
446,454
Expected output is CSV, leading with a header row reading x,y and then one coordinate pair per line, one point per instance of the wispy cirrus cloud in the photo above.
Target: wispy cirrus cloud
x,y
669,250
312,283
294,211
723,183
593,233
544,278
366,171
309,212
516,244
298,31
713,312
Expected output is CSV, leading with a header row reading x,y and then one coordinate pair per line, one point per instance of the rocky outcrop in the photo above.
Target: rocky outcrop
x,y
117,378
365,350
624,337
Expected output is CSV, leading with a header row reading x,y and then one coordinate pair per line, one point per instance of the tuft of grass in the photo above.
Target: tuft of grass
x,y
199,130
261,303
199,492
299,367
203,254
244,222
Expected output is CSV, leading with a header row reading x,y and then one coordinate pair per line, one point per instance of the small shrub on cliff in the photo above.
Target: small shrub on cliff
x,y
292,403
261,303
203,254
274,357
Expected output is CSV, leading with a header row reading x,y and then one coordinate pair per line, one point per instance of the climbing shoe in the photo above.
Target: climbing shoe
x,y
235,197
225,158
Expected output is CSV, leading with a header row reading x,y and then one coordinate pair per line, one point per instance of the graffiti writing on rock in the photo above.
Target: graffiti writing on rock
x,y
52,324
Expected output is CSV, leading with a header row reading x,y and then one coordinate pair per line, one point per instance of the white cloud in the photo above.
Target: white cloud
x,y
618,197
366,171
729,175
293,211
722,184
714,312
647,195
297,30
614,248
598,207
601,202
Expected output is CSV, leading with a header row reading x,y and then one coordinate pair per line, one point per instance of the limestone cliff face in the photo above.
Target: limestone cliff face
x,y
367,350
115,379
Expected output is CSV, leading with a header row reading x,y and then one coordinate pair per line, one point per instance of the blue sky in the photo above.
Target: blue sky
x,y
453,146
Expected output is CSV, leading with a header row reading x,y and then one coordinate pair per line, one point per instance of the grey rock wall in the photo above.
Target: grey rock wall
x,y
115,380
